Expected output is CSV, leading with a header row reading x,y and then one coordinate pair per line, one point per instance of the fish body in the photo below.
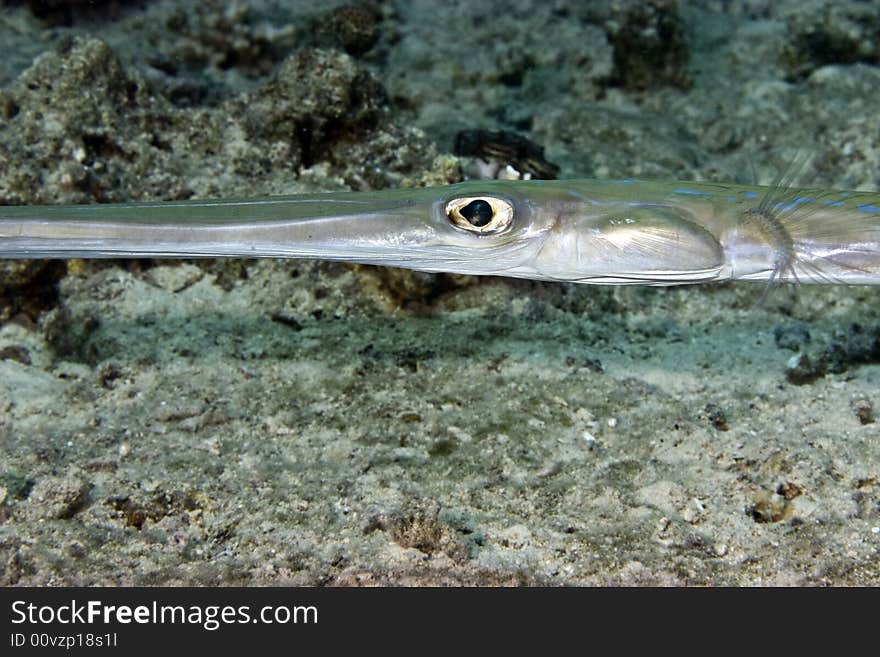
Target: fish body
x,y
585,231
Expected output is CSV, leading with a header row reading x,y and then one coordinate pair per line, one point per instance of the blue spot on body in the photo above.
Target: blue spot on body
x,y
792,205
731,198
692,192
751,194
835,204
869,208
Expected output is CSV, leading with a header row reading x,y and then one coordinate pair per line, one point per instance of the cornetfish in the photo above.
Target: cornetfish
x,y
585,231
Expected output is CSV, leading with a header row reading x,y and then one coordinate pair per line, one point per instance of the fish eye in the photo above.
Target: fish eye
x,y
484,215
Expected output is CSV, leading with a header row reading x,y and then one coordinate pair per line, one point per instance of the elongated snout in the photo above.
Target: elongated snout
x,y
468,228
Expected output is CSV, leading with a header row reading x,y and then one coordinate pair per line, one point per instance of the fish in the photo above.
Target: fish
x,y
611,232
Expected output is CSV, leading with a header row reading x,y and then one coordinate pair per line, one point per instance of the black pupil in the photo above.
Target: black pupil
x,y
478,213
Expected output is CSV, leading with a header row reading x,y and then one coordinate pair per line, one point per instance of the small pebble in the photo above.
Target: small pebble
x,y
864,411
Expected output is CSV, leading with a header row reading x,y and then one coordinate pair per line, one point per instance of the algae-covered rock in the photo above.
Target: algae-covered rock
x,y
316,98
82,129
650,49
354,28
28,286
821,33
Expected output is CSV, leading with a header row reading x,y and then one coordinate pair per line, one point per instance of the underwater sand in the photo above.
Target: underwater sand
x,y
292,422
